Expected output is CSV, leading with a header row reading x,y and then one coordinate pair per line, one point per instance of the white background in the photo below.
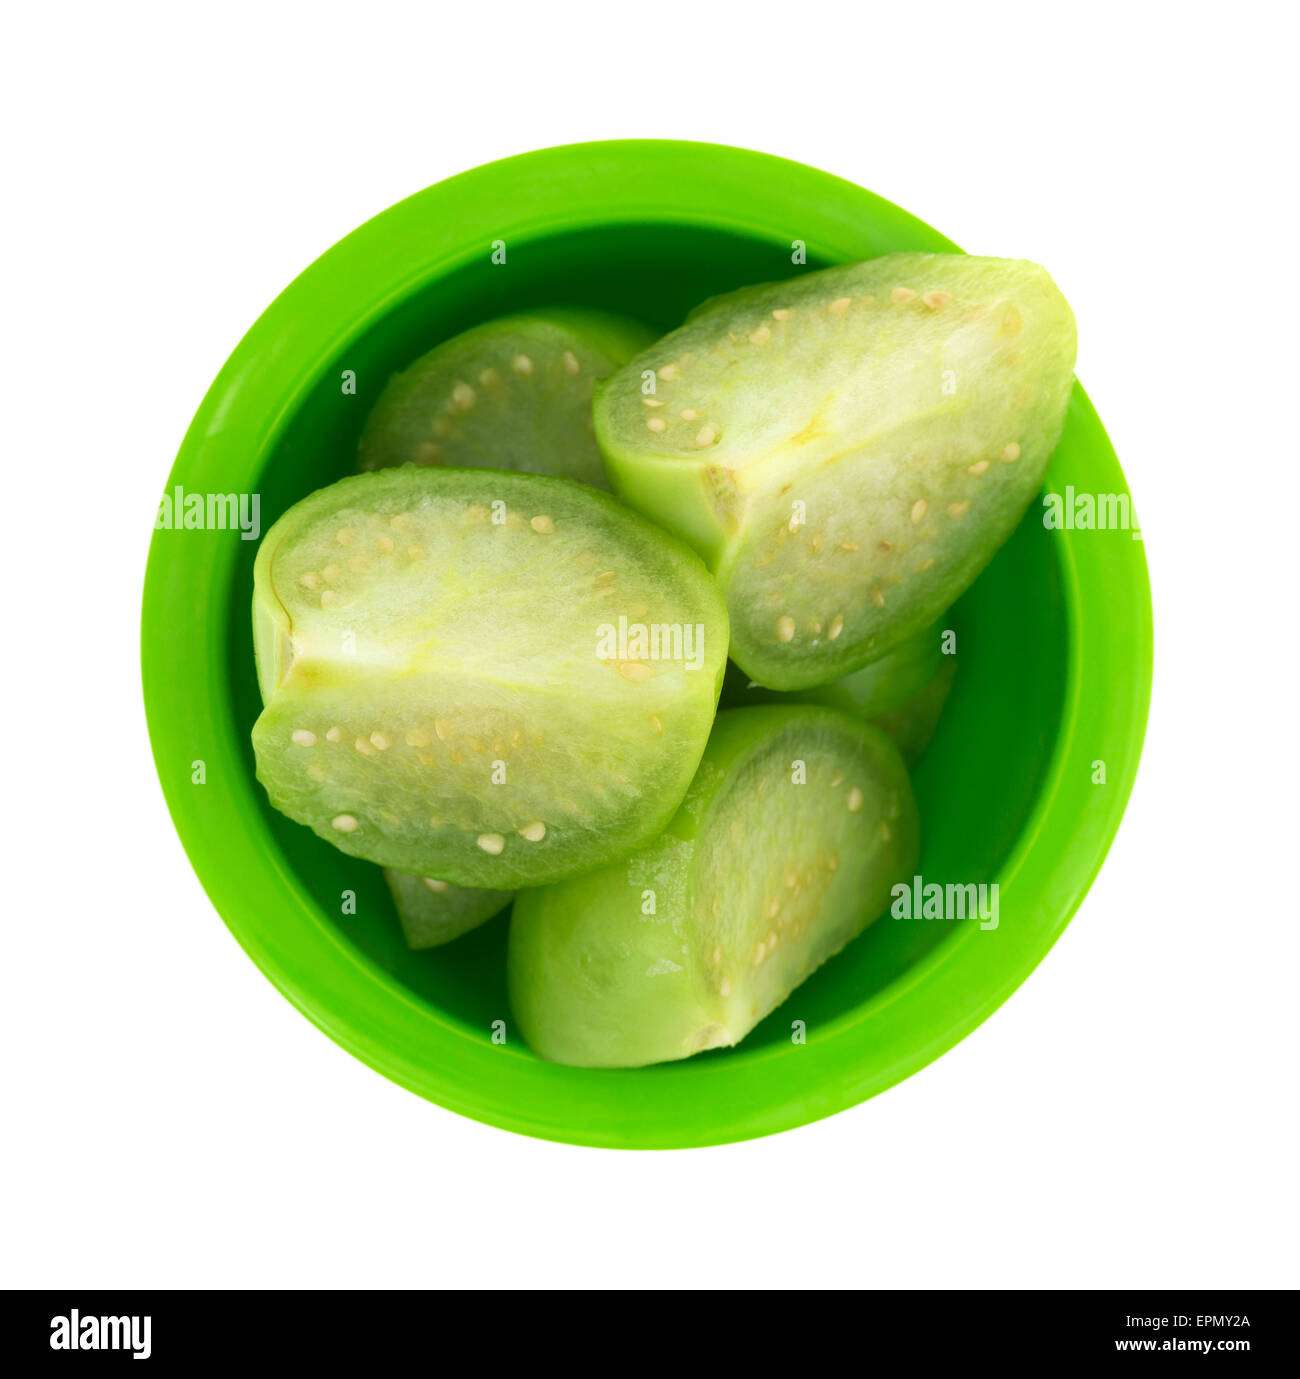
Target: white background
x,y
1127,1119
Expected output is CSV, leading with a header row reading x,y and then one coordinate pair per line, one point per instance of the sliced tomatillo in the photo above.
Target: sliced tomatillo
x,y
434,912
514,393
493,679
902,693
797,824
911,725
848,449
877,687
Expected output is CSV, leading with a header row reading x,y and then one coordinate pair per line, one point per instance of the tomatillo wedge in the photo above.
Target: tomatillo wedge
x,y
513,393
903,693
434,912
493,679
796,826
912,724
847,449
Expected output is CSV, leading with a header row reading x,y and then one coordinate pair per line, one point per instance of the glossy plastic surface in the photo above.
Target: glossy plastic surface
x,y
1054,643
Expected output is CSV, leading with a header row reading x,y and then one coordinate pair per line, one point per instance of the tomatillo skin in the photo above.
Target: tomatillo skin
x,y
912,724
798,822
492,679
847,450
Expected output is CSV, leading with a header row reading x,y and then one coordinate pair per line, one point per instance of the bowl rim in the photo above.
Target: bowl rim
x,y
928,1008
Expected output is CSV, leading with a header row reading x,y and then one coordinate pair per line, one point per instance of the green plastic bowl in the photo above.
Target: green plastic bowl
x,y
1054,644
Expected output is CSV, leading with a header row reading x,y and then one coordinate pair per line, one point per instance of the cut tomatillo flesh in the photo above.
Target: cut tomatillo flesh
x,y
848,449
493,679
514,393
434,912
796,826
903,692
